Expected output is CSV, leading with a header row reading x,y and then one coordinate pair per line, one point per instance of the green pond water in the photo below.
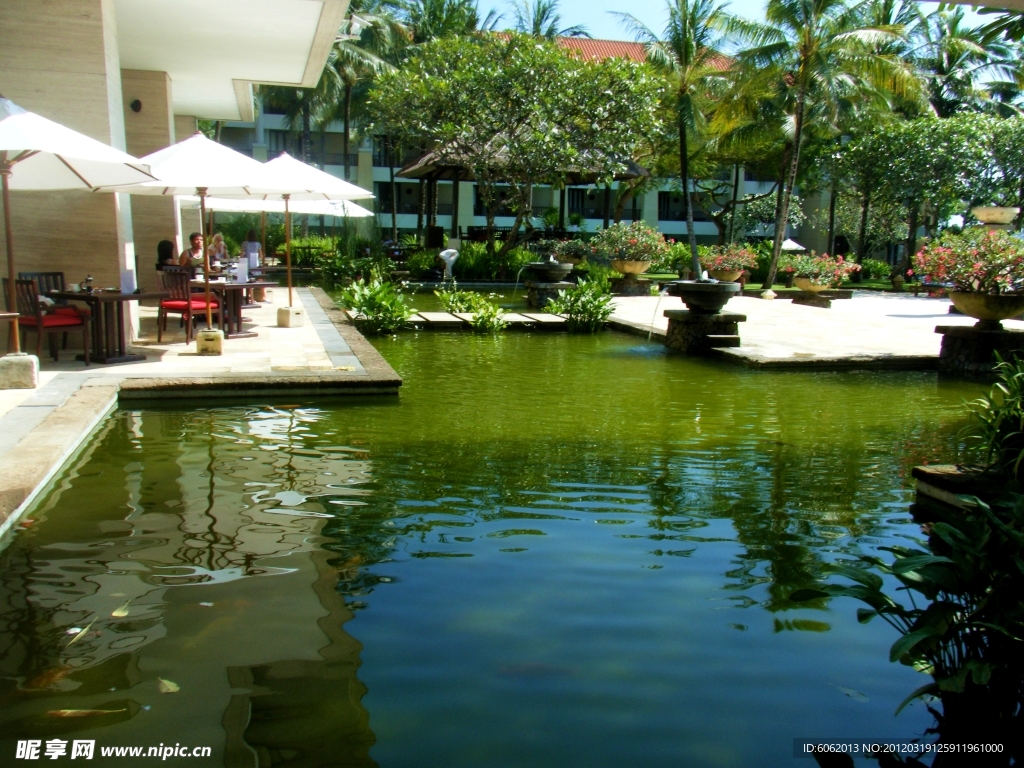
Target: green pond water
x,y
548,551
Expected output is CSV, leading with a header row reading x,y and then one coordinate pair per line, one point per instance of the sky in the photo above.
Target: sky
x,y
597,17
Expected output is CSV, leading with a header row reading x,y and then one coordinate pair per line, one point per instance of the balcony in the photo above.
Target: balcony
x,y
680,215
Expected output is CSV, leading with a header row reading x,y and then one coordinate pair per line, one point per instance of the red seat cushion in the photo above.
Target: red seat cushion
x,y
181,304
71,311
52,321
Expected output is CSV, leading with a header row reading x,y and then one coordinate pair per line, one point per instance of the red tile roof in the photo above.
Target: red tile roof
x,y
603,49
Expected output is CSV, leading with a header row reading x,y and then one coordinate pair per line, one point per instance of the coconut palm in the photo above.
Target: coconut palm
x,y
687,52
540,18
819,60
428,20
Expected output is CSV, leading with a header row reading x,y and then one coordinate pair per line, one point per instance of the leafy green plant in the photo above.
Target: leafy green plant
x,y
549,218
418,262
572,251
379,307
975,260
488,318
629,242
598,274
876,269
586,307
475,263
996,427
965,627
576,220
824,270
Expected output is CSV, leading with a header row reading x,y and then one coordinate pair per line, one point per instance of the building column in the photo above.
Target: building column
x,y
149,127
60,59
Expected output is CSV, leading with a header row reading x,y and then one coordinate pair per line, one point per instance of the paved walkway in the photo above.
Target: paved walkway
x,y
872,329
326,356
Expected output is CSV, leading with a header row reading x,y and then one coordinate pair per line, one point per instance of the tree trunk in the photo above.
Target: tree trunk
x,y
456,232
561,209
390,151
624,196
433,202
607,203
913,210
731,233
862,233
832,221
345,131
306,132
787,192
684,177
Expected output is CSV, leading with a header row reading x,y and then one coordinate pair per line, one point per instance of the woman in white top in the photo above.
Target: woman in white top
x,y
217,253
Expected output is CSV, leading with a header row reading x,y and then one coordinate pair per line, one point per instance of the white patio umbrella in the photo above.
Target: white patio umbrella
x,y
343,209
39,154
792,246
290,180
201,167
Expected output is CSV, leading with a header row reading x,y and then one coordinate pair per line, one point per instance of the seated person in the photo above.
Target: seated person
x,y
217,253
193,255
252,250
165,255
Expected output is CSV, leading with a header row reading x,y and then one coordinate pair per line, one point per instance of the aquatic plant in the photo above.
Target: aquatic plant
x,y
586,307
379,307
487,316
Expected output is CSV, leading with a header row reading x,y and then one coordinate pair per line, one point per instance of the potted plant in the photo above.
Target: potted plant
x,y
815,273
568,251
629,248
726,262
985,269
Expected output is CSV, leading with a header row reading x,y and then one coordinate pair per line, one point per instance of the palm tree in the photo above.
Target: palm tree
x,y
540,18
965,69
820,60
428,20
687,54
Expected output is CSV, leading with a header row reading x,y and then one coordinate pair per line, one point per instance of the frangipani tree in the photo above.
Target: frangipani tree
x,y
515,112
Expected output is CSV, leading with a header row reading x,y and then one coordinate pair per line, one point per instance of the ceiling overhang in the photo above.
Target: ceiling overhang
x,y
215,50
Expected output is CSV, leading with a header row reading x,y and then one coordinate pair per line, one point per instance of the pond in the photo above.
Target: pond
x,y
549,551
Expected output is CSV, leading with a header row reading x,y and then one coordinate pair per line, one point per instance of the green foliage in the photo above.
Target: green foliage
x,y
487,316
380,307
831,271
598,274
962,618
573,251
976,260
586,307
635,241
755,215
550,218
418,262
876,270
726,257
475,263
995,432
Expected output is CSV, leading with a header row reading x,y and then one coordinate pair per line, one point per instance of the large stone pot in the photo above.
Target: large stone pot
x,y
805,284
995,214
988,309
630,267
726,275
549,271
703,298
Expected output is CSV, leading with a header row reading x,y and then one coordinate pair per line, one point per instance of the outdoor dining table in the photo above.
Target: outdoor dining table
x,y
109,344
232,298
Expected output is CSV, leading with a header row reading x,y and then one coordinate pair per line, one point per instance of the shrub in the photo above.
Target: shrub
x,y
824,270
380,307
586,307
418,262
599,274
875,269
996,426
630,242
976,261
726,257
488,316
474,263
572,251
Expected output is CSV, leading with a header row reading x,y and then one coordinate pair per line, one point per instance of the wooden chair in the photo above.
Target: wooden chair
x,y
182,302
54,281
33,316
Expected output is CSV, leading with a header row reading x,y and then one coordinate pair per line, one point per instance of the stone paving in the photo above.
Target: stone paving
x,y
872,329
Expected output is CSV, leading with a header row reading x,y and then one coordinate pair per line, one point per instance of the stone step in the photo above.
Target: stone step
x,y
441,320
545,320
718,342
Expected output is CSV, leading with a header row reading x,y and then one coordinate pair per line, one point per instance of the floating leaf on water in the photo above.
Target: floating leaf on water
x,y
79,636
166,686
806,625
47,678
72,630
853,694
121,612
740,627
207,605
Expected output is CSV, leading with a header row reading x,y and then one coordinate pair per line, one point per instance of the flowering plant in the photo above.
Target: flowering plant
x,y
975,261
629,242
727,258
825,270
571,251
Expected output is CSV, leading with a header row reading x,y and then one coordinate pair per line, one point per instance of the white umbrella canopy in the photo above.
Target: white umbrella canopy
x,y
339,208
792,245
39,154
299,181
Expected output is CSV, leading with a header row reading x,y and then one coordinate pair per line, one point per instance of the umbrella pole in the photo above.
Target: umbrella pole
x,y
206,260
288,246
263,235
12,289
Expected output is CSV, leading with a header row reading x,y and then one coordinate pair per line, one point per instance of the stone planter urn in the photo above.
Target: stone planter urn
x,y
549,271
805,284
703,298
988,309
726,275
630,266
995,214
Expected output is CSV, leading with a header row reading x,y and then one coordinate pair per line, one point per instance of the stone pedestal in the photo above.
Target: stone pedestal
x,y
699,332
539,294
630,286
808,299
19,371
290,317
970,352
